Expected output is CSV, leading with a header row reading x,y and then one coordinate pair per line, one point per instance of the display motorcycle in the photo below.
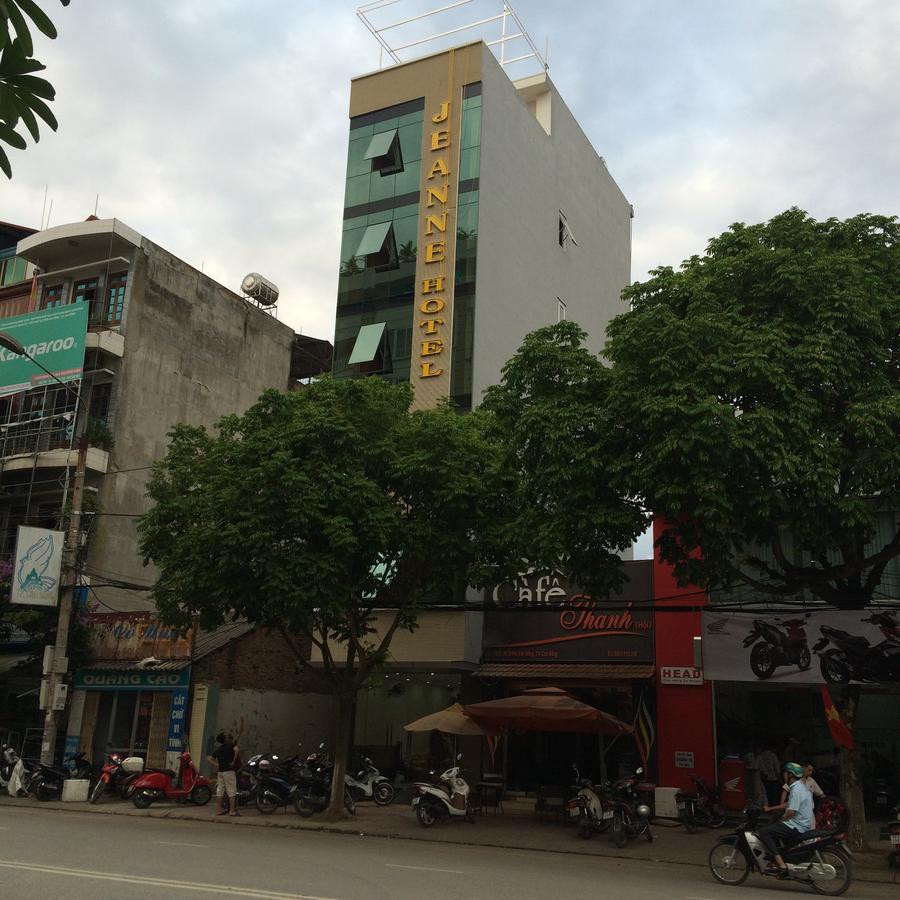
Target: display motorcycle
x,y
117,777
164,784
47,781
587,807
443,802
820,859
779,643
701,807
370,784
853,658
630,818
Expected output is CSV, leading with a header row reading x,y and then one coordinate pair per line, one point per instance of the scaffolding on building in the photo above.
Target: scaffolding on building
x,y
503,32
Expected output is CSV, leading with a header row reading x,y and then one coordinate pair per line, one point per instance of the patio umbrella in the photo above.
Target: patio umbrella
x,y
545,709
451,720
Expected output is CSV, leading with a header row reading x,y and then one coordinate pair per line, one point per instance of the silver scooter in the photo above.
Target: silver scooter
x,y
370,784
444,802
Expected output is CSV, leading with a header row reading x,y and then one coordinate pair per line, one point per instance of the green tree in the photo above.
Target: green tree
x,y
313,511
22,93
564,512
757,390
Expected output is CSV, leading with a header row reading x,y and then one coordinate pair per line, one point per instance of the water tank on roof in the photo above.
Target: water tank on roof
x,y
260,289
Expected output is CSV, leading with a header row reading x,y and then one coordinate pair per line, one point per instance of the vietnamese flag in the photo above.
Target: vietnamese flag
x,y
840,733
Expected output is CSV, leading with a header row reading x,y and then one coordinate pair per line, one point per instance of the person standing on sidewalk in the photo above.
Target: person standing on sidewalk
x,y
770,771
225,756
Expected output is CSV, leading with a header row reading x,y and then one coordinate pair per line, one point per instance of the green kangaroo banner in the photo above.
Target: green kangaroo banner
x,y
54,337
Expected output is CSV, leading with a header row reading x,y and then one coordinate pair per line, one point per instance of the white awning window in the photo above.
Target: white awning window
x,y
367,342
384,151
378,246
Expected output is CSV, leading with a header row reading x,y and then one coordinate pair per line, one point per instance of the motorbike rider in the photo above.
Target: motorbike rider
x,y
796,821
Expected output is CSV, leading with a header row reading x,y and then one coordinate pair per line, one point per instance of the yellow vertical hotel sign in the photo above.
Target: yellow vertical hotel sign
x,y
433,325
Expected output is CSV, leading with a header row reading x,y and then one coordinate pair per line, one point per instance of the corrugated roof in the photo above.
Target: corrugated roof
x,y
208,642
134,665
565,671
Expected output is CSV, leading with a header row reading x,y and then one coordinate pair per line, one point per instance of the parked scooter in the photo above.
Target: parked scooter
x,y
630,818
701,807
276,781
445,801
313,791
852,658
587,808
47,781
15,777
778,643
117,777
820,859
370,784
164,784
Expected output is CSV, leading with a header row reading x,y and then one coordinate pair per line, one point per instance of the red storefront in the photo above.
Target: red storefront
x,y
685,715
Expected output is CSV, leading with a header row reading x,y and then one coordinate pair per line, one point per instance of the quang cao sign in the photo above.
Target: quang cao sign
x,y
97,680
547,619
36,567
54,337
823,646
135,636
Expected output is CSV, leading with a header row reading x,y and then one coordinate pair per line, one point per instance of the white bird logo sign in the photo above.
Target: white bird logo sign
x,y
34,564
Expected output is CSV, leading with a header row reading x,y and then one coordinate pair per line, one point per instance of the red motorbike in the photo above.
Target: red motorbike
x,y
117,777
164,784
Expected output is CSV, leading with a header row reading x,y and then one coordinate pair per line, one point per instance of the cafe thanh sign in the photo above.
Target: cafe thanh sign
x,y
547,619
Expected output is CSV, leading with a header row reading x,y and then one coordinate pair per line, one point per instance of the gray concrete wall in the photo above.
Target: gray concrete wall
x,y
528,177
276,721
194,351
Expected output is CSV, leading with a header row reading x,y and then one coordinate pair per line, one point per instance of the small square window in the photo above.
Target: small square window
x,y
53,296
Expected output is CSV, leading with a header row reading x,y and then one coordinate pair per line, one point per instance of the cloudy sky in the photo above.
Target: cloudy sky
x,y
217,128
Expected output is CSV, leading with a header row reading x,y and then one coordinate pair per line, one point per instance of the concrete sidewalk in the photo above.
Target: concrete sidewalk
x,y
515,828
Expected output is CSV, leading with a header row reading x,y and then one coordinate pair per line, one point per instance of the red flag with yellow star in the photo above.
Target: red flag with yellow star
x,y
840,733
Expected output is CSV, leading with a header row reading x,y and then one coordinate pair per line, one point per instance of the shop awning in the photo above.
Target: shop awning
x,y
451,720
545,709
554,672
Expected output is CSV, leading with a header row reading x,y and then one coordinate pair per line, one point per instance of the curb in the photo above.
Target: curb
x,y
866,874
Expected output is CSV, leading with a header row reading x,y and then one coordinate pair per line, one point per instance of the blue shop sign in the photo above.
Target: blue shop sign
x,y
96,680
177,720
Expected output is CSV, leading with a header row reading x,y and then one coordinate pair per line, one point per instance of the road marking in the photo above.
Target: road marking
x,y
160,882
179,844
425,869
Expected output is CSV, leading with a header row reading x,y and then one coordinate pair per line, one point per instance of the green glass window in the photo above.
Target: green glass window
x,y
115,297
12,270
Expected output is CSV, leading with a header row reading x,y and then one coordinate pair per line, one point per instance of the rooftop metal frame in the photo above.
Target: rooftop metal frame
x,y
512,32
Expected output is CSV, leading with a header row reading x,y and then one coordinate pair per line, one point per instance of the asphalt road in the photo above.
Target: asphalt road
x,y
50,854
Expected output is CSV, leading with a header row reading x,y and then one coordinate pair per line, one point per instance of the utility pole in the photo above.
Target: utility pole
x,y
60,666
